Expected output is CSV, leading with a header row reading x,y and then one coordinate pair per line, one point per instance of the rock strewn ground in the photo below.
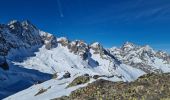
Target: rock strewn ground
x,y
147,87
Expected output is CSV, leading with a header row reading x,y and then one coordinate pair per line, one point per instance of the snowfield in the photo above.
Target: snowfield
x,y
55,88
59,60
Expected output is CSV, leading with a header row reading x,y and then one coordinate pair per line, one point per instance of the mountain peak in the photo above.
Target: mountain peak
x,y
95,45
128,46
147,48
26,22
13,22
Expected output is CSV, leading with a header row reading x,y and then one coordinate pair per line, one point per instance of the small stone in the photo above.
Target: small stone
x,y
67,75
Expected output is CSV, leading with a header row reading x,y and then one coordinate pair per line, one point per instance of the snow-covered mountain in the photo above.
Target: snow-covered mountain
x,y
18,40
30,56
142,57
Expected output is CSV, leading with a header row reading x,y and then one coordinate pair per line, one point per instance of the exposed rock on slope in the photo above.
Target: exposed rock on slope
x,y
79,80
164,56
147,87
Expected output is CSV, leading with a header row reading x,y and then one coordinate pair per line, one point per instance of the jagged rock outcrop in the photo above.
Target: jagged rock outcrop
x,y
98,49
79,47
50,41
63,41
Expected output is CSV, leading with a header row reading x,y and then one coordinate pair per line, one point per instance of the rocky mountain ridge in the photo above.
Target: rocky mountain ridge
x,y
142,57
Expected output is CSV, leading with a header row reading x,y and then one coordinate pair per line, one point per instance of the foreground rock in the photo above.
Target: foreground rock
x,y
147,87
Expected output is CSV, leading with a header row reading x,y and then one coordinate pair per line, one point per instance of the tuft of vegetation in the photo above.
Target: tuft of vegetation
x,y
147,87
42,91
79,80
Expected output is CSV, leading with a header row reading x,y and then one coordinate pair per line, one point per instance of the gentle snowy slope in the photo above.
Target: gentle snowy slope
x,y
55,88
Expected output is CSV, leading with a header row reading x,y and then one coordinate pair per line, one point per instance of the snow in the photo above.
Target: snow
x,y
62,39
136,60
42,33
55,88
12,22
58,87
60,60
143,55
159,64
129,73
95,44
55,60
19,78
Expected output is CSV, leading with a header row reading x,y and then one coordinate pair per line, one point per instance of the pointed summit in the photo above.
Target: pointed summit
x,y
95,45
28,24
128,46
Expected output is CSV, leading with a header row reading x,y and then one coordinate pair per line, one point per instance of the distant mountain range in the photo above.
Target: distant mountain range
x,y
29,56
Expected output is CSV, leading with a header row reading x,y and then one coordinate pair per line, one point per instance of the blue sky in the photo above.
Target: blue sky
x,y
111,22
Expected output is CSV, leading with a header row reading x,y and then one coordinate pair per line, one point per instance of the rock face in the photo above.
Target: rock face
x,y
50,41
18,34
97,48
79,47
26,32
147,87
63,41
